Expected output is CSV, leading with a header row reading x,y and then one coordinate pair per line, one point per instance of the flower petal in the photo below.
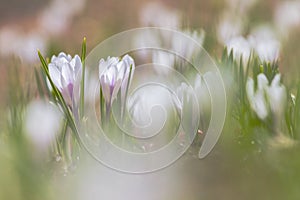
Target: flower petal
x,y
55,76
262,81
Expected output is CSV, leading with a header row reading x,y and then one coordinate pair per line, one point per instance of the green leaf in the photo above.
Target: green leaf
x,y
83,55
297,111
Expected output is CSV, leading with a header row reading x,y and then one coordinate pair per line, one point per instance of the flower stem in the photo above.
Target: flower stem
x,y
83,55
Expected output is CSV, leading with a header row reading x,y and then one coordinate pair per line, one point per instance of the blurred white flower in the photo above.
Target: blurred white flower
x,y
187,49
182,49
267,50
115,76
264,31
149,108
187,107
263,40
13,42
240,47
58,14
51,21
65,72
156,14
287,16
228,27
42,122
163,60
266,97
146,39
277,96
256,97
140,108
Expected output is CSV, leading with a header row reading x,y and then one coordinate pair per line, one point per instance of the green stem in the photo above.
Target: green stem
x,y
83,55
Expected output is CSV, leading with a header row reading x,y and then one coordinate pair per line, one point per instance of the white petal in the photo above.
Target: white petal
x,y
62,55
250,89
260,105
121,69
116,88
76,63
128,61
53,58
55,76
276,80
105,88
240,47
67,73
277,96
163,61
262,81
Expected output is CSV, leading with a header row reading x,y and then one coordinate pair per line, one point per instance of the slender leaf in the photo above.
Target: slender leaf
x,y
83,55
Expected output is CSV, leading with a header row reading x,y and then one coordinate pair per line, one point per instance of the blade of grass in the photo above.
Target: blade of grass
x,y
101,107
297,111
83,55
39,83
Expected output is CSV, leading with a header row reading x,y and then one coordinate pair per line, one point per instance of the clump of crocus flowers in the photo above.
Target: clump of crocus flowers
x,y
65,78
115,75
268,97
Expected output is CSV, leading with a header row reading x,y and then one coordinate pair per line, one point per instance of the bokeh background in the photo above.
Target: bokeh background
x,y
53,26
59,25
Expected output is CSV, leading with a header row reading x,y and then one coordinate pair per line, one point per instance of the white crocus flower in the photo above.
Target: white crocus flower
x,y
181,49
240,48
110,79
257,98
115,76
164,61
266,48
266,97
65,72
187,106
265,43
128,63
277,96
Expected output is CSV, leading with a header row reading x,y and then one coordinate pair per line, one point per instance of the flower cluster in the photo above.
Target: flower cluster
x,y
266,97
116,76
267,48
66,80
